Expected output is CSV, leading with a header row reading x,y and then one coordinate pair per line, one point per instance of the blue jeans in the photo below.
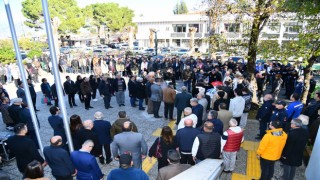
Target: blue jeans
x,y
187,84
133,101
141,103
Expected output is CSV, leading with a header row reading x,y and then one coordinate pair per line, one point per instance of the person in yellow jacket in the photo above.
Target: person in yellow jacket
x,y
270,149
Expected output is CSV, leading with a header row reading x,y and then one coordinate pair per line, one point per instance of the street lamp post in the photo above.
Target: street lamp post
x,y
156,42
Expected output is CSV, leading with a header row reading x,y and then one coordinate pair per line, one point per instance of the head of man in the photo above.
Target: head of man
x,y
296,123
118,76
17,101
20,84
28,80
173,156
200,96
127,126
280,104
87,146
267,97
208,127
68,78
187,111
158,81
237,92
275,125
125,161
20,129
56,141
184,89
317,96
88,124
221,94
304,119
295,97
222,106
194,101
122,114
188,123
54,110
86,79
212,114
98,115
233,123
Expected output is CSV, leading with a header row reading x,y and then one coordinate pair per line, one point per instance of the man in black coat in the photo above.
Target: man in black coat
x,y
105,92
292,153
132,91
59,160
23,148
55,94
264,114
87,133
182,101
33,94
15,110
70,89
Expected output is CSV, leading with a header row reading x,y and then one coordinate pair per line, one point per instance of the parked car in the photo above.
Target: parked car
x,y
65,50
137,50
149,51
238,59
182,52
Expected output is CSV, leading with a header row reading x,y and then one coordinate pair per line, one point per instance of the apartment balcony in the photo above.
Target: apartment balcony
x,y
196,35
290,35
270,36
232,35
178,35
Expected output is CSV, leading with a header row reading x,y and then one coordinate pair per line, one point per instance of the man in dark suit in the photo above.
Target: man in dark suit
x,y
174,168
85,163
182,101
23,148
15,110
59,160
21,94
197,109
105,92
33,94
70,89
87,133
56,122
54,92
102,129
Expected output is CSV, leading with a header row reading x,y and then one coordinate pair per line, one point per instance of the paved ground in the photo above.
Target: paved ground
x,y
146,125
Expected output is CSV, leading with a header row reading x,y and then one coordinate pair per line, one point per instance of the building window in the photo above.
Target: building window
x,y
232,27
196,26
293,29
179,27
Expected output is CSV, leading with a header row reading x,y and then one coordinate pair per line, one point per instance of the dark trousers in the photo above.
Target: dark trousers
x,y
187,159
263,127
71,99
107,151
168,108
141,104
64,177
56,102
179,113
133,101
87,100
94,93
187,84
34,101
81,97
106,100
288,172
267,169
156,107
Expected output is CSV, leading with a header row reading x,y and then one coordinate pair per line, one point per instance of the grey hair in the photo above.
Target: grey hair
x,y
233,122
88,143
194,100
183,88
297,122
187,110
213,114
139,79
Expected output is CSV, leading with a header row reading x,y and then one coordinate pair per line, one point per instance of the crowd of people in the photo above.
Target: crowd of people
x,y
211,116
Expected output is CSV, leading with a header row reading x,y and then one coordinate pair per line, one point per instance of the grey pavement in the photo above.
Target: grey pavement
x,y
146,125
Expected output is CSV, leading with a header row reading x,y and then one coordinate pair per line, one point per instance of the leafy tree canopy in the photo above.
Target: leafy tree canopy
x,y
180,8
66,10
109,14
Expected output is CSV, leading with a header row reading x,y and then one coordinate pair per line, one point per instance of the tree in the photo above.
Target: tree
x,y
180,8
67,11
109,14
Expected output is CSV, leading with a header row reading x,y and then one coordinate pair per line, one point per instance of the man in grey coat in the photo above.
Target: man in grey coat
x,y
129,142
156,97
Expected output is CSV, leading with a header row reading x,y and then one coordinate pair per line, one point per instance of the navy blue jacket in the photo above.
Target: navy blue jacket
x,y
198,111
32,91
279,115
21,94
217,125
102,129
59,161
25,117
87,166
56,122
182,100
265,111
185,137
45,88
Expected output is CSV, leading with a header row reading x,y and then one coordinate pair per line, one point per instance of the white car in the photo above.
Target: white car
x,y
183,52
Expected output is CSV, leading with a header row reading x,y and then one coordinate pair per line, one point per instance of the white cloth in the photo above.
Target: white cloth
x,y
193,117
237,106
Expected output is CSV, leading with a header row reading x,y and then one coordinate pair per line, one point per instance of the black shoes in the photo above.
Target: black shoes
x,y
75,105
101,159
90,107
158,117
109,161
227,171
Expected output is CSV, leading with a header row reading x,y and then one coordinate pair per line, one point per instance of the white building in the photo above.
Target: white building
x,y
173,30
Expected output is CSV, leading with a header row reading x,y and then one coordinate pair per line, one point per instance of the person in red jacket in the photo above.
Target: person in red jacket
x,y
232,138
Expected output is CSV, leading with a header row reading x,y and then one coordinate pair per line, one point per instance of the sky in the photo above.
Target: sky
x,y
145,7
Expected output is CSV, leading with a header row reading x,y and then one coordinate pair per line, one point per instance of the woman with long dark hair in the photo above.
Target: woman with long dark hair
x,y
75,126
34,170
161,146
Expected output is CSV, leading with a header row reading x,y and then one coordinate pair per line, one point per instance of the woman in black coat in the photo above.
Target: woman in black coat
x,y
166,143
140,92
